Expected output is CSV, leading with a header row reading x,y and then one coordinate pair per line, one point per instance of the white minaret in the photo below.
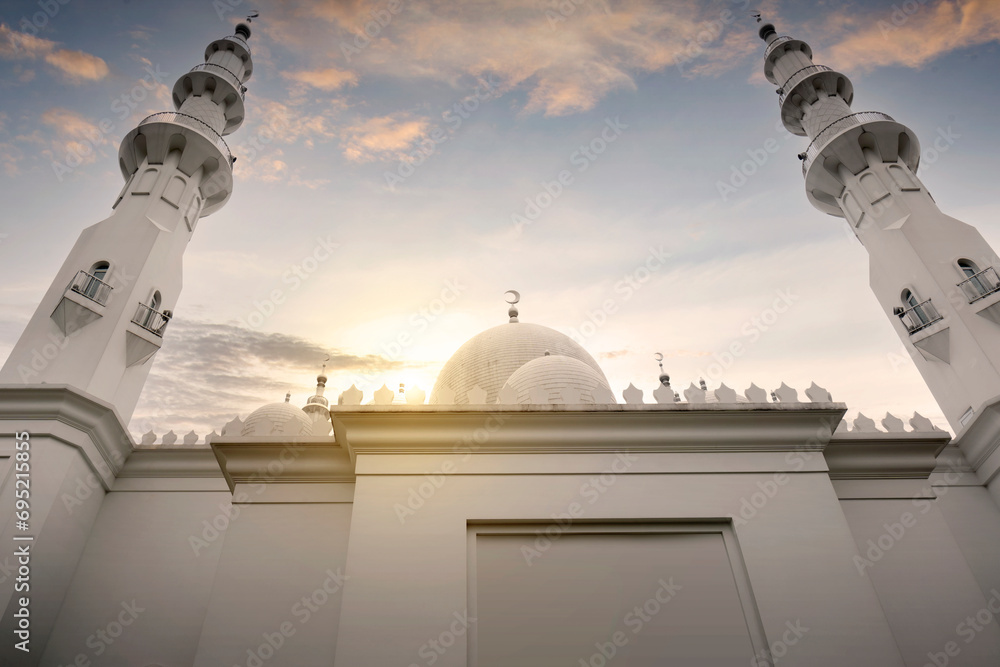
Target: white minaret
x,y
103,317
935,276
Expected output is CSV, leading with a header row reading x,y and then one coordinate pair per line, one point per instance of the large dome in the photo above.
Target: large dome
x,y
489,358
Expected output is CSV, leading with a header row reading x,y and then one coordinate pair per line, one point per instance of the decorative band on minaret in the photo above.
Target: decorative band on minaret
x,y
935,276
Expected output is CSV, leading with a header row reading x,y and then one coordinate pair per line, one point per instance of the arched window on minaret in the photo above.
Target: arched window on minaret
x,y
92,282
150,319
99,271
916,314
977,283
910,301
968,267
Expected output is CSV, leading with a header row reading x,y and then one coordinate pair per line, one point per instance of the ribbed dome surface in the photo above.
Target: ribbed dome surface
x,y
277,419
489,358
556,379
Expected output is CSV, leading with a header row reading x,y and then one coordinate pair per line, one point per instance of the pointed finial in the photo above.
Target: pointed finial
x,y
288,397
664,378
514,297
318,398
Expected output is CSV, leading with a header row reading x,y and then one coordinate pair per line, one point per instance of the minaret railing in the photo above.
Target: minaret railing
x,y
237,38
784,89
819,141
920,316
168,116
775,44
151,320
91,287
235,80
980,284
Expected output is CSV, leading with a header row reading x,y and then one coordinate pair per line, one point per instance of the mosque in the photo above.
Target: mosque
x,y
525,513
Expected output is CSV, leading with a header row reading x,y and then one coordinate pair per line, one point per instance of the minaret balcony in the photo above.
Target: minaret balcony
x,y
144,334
225,73
91,287
796,78
199,145
193,122
919,317
82,303
835,129
239,40
980,285
151,320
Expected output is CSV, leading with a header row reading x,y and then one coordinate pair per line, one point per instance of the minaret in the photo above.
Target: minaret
x,y
935,276
103,317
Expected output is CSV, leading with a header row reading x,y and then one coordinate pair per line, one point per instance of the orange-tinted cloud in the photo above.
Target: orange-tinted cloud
x,y
566,56
76,139
894,37
384,138
76,66
328,79
10,159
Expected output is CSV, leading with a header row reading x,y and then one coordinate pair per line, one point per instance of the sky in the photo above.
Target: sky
x,y
405,163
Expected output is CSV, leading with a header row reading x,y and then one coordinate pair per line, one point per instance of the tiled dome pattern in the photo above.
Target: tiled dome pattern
x,y
277,418
555,378
489,358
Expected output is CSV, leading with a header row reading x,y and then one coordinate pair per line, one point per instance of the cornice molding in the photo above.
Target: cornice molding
x,y
763,427
108,443
885,455
181,462
282,460
981,439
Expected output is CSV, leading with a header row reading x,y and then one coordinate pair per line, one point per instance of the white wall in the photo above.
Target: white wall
x,y
274,556
409,578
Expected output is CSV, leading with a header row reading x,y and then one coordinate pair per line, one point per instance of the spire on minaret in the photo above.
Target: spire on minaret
x,y
318,398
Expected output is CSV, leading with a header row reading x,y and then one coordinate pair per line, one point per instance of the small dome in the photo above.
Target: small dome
x,y
489,358
277,419
555,378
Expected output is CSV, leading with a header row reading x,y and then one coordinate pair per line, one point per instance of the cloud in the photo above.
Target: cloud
x,y
75,137
10,159
893,37
566,56
140,33
207,373
384,138
289,124
327,79
75,66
